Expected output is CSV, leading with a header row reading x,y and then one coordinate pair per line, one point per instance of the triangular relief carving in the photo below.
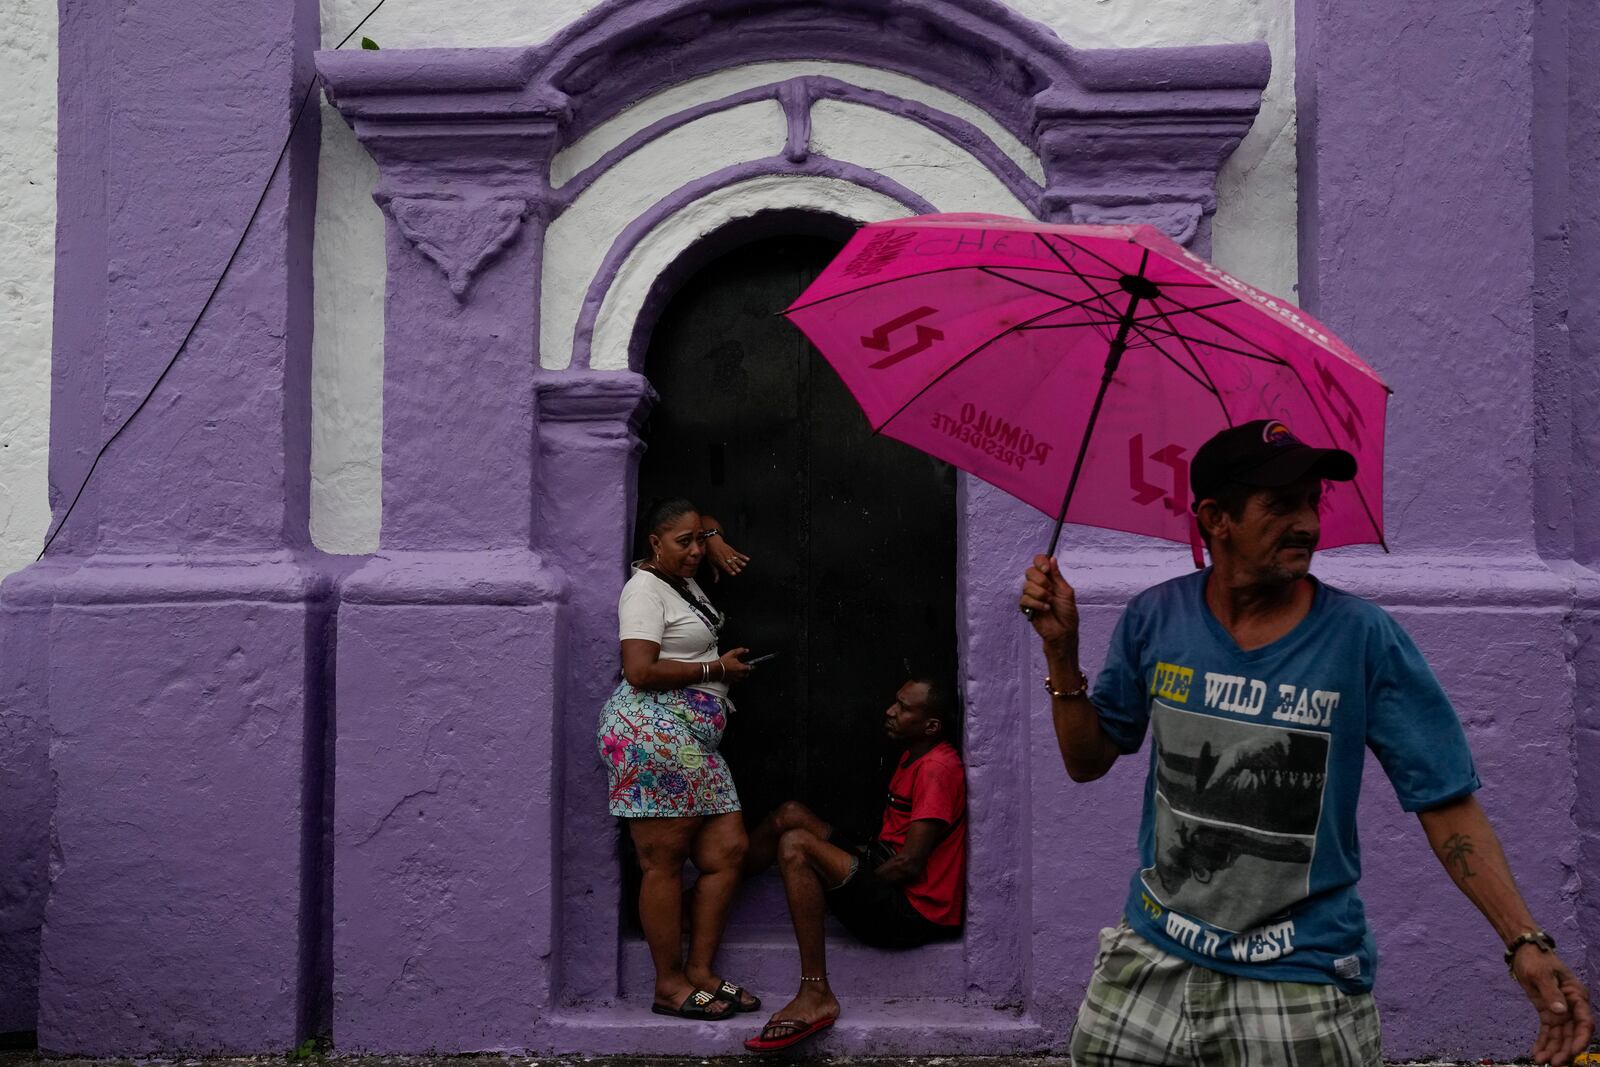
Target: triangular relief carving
x,y
459,234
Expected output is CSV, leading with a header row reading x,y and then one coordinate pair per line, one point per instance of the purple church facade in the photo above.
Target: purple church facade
x,y
254,792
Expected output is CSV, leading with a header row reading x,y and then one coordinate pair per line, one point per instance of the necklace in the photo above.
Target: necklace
x,y
707,614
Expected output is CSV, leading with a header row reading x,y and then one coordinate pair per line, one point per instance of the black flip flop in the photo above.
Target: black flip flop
x,y
694,1006
731,993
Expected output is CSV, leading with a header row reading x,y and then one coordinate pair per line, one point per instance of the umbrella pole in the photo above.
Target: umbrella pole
x,y
1138,287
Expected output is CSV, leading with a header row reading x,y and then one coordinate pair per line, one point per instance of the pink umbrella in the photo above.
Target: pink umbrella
x,y
1079,367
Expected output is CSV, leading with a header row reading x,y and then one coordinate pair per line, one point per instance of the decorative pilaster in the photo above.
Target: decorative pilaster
x,y
463,182
176,630
450,695
589,450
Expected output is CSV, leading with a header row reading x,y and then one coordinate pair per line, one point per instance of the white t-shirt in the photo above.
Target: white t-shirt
x,y
651,610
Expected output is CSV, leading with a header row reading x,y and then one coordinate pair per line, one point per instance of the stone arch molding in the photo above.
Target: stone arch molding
x,y
1073,134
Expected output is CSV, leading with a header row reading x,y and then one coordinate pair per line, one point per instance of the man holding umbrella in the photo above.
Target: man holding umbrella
x,y
1074,366
1243,938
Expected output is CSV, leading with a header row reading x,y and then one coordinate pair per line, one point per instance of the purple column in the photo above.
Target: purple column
x,y
1432,197
183,662
77,394
25,794
589,452
450,647
1573,85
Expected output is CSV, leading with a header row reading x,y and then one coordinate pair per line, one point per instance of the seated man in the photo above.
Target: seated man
x,y
902,890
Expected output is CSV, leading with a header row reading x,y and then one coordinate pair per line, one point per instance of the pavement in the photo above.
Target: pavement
x,y
24,1058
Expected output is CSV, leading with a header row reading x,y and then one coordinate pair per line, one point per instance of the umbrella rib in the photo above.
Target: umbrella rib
x,y
1185,309
1067,302
1109,265
1216,392
1209,387
942,375
1080,276
1099,277
1329,431
1274,360
875,285
1067,325
1230,331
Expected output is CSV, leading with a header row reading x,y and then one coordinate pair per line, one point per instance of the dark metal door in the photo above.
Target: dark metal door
x,y
852,536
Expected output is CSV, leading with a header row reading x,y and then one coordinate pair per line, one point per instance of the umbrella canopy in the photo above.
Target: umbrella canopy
x,y
1079,367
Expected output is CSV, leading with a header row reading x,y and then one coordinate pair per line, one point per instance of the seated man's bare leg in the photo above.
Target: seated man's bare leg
x,y
809,865
790,815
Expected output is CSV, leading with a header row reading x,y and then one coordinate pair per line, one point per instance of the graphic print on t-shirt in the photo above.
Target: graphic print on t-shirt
x,y
1236,811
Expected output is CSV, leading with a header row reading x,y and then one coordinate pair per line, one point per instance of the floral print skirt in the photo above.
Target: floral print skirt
x,y
660,753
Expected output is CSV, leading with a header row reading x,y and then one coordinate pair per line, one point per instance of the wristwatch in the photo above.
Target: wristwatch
x,y
1544,941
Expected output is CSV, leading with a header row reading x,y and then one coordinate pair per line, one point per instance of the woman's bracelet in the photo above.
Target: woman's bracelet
x,y
705,672
724,669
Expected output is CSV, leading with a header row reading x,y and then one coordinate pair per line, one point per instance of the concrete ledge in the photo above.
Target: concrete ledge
x,y
499,576
866,1027
1111,575
767,962
126,579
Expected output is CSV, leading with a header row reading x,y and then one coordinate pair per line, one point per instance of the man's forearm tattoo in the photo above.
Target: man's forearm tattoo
x,y
1455,850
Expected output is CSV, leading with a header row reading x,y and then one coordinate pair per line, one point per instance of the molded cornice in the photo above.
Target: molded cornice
x,y
626,50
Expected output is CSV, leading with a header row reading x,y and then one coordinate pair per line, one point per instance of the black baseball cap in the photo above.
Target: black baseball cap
x,y
1264,453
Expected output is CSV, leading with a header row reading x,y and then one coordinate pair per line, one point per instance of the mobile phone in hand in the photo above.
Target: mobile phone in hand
x,y
760,659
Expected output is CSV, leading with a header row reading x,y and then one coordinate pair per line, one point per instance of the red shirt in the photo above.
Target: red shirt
x,y
933,787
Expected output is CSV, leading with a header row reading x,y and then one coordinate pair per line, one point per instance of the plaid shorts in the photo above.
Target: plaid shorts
x,y
1146,1007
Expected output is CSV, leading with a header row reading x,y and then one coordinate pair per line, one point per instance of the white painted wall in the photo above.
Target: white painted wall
x,y
27,271
1254,235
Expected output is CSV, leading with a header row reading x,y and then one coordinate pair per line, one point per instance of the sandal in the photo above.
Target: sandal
x,y
695,1006
780,1034
735,995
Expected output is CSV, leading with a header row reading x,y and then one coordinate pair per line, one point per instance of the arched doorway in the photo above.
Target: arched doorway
x,y
852,536
534,197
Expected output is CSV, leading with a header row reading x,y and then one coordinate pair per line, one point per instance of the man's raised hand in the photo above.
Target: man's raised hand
x,y
1054,605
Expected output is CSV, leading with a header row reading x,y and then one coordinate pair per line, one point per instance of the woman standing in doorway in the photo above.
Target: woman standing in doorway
x,y
658,738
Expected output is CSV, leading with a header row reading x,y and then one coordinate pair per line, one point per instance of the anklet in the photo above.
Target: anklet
x,y
803,978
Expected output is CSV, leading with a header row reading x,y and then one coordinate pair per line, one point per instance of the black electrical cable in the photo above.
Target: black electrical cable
x,y
316,82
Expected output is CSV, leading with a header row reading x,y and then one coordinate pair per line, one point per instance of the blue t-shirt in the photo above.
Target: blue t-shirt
x,y
1248,850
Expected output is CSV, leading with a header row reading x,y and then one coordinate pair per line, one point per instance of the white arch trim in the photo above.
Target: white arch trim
x,y
582,153
625,299
579,238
